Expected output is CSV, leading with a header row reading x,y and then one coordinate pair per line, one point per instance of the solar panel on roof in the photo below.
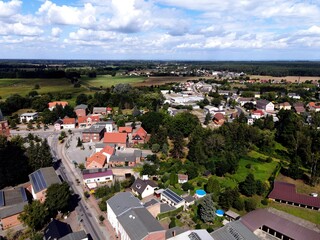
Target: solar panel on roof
x,y
194,236
38,181
1,198
35,184
172,195
23,194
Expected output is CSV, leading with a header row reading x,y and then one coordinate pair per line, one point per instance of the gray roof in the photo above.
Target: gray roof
x,y
189,199
166,208
12,196
81,106
174,231
43,178
138,223
232,214
122,158
100,145
140,185
99,109
28,114
12,210
123,201
150,203
234,231
94,129
196,234
75,236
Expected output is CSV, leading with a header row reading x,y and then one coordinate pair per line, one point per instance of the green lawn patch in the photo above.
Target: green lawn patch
x,y
105,81
177,190
307,214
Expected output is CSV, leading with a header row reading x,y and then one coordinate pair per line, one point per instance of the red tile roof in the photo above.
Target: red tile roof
x,y
82,119
258,112
125,129
140,132
53,104
94,118
108,150
69,121
219,116
115,137
287,192
182,177
98,157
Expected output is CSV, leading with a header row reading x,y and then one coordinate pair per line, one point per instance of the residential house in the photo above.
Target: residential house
x,y
171,198
58,125
97,160
219,119
284,106
189,200
125,130
92,120
242,101
314,106
143,188
109,126
99,110
62,231
93,134
81,110
27,117
257,114
182,178
4,126
118,139
68,123
123,160
294,95
109,110
140,136
299,108
265,105
93,177
12,202
82,122
52,105
155,207
231,216
108,151
131,220
197,234
41,180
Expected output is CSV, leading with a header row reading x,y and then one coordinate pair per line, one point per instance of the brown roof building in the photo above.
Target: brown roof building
x,y
286,193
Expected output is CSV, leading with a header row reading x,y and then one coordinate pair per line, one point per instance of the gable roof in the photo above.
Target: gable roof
x,y
219,116
140,185
99,109
234,231
141,133
104,172
94,129
168,193
98,158
80,235
12,210
93,118
53,104
108,150
287,192
67,120
183,177
196,234
81,106
258,112
264,217
9,197
125,129
56,230
43,178
82,119
112,137
122,202
138,223
263,102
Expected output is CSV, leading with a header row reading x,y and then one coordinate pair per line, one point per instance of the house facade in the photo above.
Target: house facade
x,y
143,188
4,126
97,176
140,136
81,110
97,160
182,178
58,125
68,123
93,134
265,105
27,117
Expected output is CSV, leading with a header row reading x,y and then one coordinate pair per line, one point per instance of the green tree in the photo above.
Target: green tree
x,y
207,209
213,186
58,197
155,148
34,215
250,204
164,148
238,204
149,169
79,143
187,186
173,179
29,125
248,187
178,146
207,119
294,170
81,99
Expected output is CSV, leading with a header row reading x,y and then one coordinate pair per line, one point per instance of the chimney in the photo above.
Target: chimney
x,y
173,233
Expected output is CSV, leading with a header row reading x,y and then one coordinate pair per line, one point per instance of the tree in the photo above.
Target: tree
x,y
79,143
294,170
228,197
58,197
248,187
155,148
149,169
178,146
261,187
207,119
187,186
29,125
34,215
81,99
172,223
207,209
213,187
164,148
173,179
238,204
250,204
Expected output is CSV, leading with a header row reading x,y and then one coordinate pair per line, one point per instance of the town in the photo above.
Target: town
x,y
204,154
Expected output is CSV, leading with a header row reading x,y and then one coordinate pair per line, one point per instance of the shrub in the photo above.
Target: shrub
x,y
264,201
172,223
250,204
101,218
269,160
238,204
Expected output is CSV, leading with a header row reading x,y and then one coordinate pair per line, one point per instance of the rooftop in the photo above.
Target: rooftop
x,y
12,196
140,185
287,192
172,196
81,106
101,172
122,202
112,137
197,234
43,178
94,129
75,236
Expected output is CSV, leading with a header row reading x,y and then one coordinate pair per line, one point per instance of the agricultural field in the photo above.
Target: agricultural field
x,y
287,78
106,81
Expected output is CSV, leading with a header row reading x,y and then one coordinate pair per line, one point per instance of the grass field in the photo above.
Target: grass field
x,y
105,81
287,78
307,214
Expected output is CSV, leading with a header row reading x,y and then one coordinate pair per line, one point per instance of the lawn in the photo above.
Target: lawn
x,y
260,170
307,214
105,81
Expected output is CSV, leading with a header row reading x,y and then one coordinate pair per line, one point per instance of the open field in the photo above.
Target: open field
x,y
307,214
163,80
287,78
24,86
106,81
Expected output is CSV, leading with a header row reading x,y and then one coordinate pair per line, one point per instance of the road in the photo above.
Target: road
x,y
85,212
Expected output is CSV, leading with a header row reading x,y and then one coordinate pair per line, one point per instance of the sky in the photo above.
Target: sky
x,y
160,29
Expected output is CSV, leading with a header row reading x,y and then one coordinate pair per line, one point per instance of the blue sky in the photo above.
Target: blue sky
x,y
160,29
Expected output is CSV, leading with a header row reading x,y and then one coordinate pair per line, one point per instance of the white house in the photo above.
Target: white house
x,y
172,199
95,176
68,123
144,188
182,178
29,116
265,105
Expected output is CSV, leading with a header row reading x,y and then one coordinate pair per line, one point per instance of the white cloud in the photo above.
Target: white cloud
x,y
10,8
19,29
55,32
